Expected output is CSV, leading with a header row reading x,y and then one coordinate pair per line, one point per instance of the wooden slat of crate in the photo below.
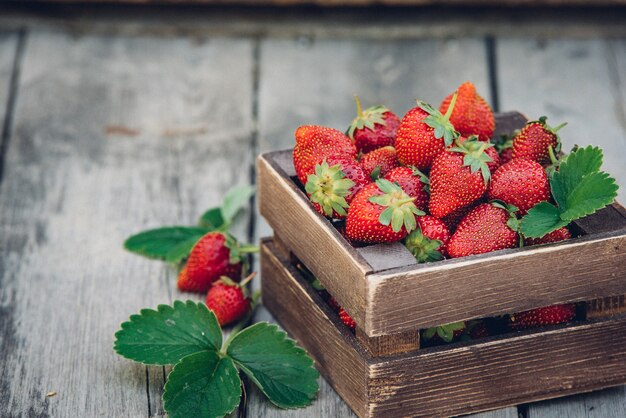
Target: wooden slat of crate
x,y
461,378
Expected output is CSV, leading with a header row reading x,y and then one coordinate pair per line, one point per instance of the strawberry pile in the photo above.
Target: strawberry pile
x,y
437,181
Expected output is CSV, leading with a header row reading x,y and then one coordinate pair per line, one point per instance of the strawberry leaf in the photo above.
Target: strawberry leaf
x,y
212,219
279,367
168,334
541,218
171,243
203,384
572,169
234,201
593,192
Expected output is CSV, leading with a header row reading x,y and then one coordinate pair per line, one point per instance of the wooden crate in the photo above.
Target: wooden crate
x,y
459,378
381,369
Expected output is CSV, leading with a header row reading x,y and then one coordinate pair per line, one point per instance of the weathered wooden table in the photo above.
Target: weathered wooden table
x,y
110,128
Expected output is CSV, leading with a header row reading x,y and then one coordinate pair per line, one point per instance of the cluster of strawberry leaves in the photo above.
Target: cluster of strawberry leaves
x,y
205,380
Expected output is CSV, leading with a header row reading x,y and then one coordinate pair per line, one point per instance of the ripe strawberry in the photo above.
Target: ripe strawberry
x,y
373,128
520,182
381,212
486,228
428,242
478,329
334,184
211,258
379,162
491,152
504,146
228,300
472,115
550,315
535,140
557,235
458,177
452,219
314,143
423,134
346,319
413,182
506,155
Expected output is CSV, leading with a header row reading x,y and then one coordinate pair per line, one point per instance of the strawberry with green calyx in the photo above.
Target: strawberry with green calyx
x,y
491,153
423,133
379,162
314,143
579,189
472,115
446,333
488,227
346,319
381,212
373,128
535,140
520,182
333,185
558,235
428,242
413,182
550,315
228,300
459,176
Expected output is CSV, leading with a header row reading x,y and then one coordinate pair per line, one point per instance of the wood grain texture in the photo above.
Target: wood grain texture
x,y
8,46
72,193
463,377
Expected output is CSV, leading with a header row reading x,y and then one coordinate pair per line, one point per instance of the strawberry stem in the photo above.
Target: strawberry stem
x,y
247,279
451,107
559,127
359,109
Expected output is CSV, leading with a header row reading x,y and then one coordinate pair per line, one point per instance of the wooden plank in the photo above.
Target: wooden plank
x,y
545,77
449,380
8,45
112,135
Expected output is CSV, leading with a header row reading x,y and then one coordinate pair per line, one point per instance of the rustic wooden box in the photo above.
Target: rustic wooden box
x,y
382,371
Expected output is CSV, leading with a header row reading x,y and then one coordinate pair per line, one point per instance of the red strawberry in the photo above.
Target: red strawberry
x,y
458,177
551,315
208,260
472,115
381,212
506,155
314,143
504,146
535,140
557,235
373,128
478,329
413,182
428,242
346,319
228,300
423,134
379,162
520,182
485,229
452,219
491,152
334,184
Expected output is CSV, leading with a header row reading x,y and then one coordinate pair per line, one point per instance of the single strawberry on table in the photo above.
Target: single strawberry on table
x,y
229,300
428,241
458,177
334,184
213,256
381,212
373,128
520,182
314,143
472,115
535,140
488,227
550,315
379,162
423,133
413,182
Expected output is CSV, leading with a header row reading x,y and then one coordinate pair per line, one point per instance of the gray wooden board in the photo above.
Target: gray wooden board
x,y
311,81
178,120
8,45
581,82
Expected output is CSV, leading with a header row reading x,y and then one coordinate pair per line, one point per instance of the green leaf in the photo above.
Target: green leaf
x,y
180,251
212,219
540,220
234,201
593,192
165,243
572,169
281,369
202,385
168,334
